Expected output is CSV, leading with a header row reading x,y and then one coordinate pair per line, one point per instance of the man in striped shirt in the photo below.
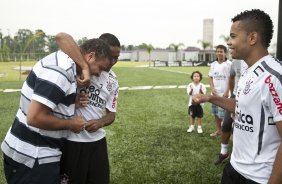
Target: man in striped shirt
x,y
32,144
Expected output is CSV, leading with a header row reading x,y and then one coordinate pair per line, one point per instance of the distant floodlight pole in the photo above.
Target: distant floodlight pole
x,y
279,29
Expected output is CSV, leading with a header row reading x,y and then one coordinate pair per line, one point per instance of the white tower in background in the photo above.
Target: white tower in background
x,y
208,31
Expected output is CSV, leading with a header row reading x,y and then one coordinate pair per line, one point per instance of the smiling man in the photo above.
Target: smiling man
x,y
257,150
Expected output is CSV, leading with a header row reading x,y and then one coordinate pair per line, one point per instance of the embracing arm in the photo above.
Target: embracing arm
x,y
275,177
67,44
40,116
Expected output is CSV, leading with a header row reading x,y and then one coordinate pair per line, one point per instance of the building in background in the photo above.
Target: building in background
x,y
208,31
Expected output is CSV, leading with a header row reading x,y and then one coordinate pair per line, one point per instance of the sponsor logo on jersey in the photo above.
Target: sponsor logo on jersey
x,y
219,76
244,121
273,93
93,94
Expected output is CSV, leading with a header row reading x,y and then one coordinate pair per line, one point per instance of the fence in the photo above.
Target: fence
x,y
21,56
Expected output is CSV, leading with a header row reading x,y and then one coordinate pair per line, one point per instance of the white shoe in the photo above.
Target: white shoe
x,y
200,130
191,129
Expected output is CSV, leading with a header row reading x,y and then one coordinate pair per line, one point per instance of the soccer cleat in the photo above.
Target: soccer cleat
x,y
221,158
199,130
191,129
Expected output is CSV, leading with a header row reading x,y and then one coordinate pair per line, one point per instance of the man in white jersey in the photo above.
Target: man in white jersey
x,y
237,68
218,79
85,157
32,144
257,132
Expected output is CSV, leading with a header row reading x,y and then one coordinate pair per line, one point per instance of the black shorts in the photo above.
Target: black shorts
x,y
227,121
231,176
195,111
15,172
85,162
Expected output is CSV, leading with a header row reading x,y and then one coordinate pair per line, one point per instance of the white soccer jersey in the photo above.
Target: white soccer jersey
x,y
220,73
103,92
52,83
258,107
196,90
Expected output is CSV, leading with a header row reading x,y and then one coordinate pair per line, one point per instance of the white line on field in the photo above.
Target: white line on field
x,y
124,88
173,71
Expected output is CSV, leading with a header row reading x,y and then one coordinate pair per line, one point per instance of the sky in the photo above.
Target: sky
x,y
156,22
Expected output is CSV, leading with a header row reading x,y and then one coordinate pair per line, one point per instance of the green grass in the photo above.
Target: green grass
x,y
11,74
148,143
9,103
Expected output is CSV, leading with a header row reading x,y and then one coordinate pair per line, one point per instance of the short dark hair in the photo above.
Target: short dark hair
x,y
98,46
258,21
110,39
221,47
198,72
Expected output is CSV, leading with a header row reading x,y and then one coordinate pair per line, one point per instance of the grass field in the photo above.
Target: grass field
x,y
148,142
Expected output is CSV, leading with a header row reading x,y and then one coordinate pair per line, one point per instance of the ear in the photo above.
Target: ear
x,y
253,38
90,55
87,56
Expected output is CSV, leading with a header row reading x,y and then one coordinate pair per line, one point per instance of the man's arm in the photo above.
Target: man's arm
x,y
230,86
67,44
40,116
275,177
226,103
94,125
211,85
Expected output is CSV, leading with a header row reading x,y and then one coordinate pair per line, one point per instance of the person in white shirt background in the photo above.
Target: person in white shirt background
x,y
218,78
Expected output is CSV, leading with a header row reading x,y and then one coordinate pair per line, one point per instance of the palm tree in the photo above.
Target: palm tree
x,y
225,38
205,44
149,49
32,39
29,41
176,48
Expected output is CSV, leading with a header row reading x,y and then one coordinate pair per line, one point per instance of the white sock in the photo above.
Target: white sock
x,y
199,126
192,126
224,149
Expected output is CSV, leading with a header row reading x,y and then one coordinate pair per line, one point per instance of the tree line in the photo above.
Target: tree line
x,y
26,43
33,45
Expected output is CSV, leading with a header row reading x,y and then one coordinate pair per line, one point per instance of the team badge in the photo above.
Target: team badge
x,y
109,85
247,87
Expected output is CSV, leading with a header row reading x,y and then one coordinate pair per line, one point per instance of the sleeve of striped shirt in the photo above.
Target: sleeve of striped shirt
x,y
51,85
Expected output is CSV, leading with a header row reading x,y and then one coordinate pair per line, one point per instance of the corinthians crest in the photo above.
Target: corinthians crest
x,y
109,85
248,86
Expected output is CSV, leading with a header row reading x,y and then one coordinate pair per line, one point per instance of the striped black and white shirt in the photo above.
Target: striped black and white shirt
x,y
52,83
258,108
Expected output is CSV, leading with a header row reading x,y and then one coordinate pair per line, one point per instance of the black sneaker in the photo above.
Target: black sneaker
x,y
221,158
